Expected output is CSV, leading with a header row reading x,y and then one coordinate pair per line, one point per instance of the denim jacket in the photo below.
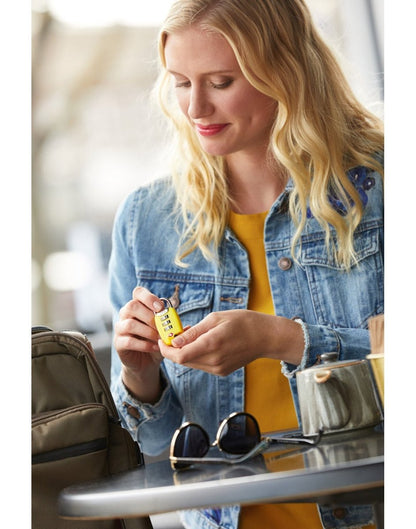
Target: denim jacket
x,y
333,304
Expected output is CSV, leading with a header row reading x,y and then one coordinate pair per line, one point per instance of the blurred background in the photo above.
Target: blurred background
x,y
96,135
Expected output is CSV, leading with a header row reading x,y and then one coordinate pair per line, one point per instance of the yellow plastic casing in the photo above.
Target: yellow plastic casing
x,y
168,324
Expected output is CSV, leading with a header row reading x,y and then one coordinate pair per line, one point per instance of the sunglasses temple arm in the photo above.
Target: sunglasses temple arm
x,y
195,460
260,447
297,440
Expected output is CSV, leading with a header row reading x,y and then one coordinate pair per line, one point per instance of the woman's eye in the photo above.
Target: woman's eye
x,y
224,84
182,84
186,84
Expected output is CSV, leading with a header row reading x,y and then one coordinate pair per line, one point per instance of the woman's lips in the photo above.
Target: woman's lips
x,y
210,130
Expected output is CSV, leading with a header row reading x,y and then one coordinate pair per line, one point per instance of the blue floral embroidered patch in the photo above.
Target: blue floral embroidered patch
x,y
362,183
214,514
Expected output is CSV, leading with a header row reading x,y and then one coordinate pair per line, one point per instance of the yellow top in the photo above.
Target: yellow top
x,y
267,394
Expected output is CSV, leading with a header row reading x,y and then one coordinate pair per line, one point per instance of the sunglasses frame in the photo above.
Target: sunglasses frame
x,y
225,422
182,463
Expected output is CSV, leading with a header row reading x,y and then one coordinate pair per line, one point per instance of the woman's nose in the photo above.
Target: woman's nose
x,y
199,104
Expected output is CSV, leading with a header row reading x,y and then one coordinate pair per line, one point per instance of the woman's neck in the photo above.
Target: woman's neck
x,y
254,184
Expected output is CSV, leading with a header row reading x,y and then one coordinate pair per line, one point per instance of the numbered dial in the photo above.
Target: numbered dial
x,y
168,323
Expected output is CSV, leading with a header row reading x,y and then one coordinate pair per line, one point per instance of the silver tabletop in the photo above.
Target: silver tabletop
x,y
343,468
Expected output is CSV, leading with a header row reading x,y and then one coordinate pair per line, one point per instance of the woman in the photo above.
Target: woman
x,y
267,236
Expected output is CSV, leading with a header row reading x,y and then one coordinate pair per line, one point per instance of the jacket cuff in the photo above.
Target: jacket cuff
x,y
318,340
133,412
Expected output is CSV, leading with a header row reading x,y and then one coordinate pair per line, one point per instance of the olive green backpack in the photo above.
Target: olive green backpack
x,y
76,433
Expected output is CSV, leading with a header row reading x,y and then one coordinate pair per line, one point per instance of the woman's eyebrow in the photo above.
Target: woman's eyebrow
x,y
204,73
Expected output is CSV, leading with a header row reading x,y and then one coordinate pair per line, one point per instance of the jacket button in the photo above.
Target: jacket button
x,y
285,263
340,513
131,410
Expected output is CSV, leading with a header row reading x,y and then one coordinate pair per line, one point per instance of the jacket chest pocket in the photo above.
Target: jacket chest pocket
x,y
192,298
340,297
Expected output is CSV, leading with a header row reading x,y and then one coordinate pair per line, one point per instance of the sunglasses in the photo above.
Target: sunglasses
x,y
238,435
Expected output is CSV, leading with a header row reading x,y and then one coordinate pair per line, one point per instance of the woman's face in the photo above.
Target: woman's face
x,y
228,114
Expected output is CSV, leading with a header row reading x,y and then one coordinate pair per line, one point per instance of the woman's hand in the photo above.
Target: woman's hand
x,y
225,341
136,341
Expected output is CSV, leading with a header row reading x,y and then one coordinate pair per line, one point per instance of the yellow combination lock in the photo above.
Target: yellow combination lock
x,y
168,322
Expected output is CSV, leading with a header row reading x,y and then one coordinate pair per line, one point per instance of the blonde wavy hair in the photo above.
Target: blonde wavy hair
x,y
320,130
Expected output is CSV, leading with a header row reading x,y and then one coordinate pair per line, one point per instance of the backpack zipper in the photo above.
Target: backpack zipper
x,y
79,449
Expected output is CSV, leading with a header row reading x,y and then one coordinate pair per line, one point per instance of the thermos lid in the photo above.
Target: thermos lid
x,y
330,361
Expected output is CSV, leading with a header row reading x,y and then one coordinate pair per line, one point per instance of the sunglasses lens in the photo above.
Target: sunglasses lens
x,y
239,434
191,441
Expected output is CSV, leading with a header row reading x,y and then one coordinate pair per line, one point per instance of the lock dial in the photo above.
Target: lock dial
x,y
168,322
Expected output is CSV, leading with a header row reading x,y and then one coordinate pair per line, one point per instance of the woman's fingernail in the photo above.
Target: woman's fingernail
x,y
178,341
157,306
